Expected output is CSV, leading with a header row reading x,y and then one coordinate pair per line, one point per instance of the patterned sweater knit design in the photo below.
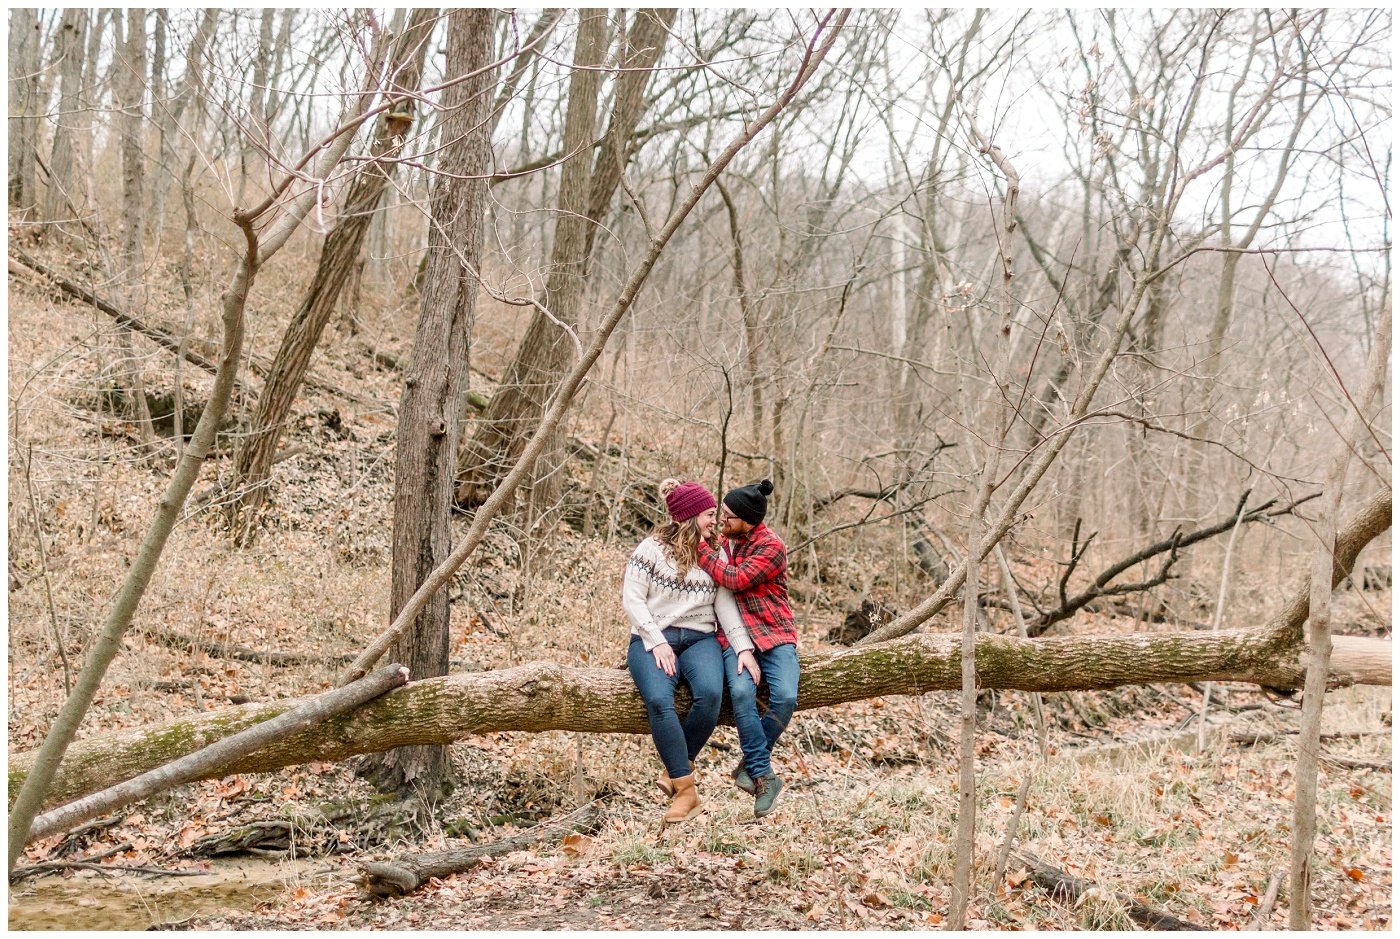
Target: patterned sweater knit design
x,y
656,596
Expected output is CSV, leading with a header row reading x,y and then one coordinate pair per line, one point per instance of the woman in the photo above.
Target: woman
x,y
674,606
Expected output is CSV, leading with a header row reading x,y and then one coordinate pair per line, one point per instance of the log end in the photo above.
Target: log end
x,y
389,881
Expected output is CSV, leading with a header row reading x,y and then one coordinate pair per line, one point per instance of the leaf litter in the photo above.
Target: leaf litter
x,y
863,836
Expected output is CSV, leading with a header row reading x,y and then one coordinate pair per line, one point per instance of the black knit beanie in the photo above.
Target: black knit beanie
x,y
750,502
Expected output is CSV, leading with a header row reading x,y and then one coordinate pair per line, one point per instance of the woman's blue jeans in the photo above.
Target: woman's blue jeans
x,y
757,735
701,666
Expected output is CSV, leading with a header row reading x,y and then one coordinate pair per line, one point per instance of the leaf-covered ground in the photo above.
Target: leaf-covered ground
x,y
863,835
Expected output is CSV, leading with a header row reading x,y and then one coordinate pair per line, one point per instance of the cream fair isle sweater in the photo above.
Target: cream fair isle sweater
x,y
655,596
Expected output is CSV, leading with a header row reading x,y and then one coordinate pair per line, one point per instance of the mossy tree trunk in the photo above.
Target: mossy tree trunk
x,y
543,696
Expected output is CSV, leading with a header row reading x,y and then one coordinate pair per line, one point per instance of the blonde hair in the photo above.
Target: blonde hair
x,y
681,540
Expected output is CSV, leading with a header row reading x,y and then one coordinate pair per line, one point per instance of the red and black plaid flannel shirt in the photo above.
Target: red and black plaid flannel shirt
x,y
757,573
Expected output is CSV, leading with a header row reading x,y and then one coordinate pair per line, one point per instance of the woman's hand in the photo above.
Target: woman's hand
x,y
665,658
747,663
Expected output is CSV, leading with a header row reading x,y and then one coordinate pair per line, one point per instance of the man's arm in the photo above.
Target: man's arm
x,y
763,565
732,621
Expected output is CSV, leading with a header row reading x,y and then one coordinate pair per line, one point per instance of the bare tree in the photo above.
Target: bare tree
x,y
430,409
65,198
339,254
25,58
986,483
131,79
586,188
1319,634
288,204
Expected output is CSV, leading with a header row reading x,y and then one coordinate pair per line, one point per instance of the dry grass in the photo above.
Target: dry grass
x,y
863,838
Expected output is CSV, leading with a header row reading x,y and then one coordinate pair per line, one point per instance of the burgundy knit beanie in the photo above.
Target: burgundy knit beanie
x,y
686,500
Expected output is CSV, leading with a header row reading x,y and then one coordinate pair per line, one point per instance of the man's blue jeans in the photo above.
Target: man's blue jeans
x,y
700,665
757,735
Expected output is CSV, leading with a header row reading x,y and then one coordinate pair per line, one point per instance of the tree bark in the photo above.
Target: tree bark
x,y
430,408
208,762
544,696
25,105
155,198
131,85
339,253
64,199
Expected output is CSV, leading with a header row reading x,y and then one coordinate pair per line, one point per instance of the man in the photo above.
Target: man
x,y
753,564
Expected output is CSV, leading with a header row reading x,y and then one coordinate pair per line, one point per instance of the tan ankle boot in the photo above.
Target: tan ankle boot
x,y
685,803
664,782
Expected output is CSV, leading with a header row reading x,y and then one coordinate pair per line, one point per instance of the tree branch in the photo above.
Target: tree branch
x,y
209,762
1170,546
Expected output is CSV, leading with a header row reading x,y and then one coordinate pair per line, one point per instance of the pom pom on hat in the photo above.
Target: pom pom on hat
x,y
685,500
750,502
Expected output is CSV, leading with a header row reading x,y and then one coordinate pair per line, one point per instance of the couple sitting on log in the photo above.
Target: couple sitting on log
x,y
680,584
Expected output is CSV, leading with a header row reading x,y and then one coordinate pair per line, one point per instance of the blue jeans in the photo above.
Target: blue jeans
x,y
700,665
757,735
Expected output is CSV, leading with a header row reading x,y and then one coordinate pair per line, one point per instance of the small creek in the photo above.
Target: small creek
x,y
93,900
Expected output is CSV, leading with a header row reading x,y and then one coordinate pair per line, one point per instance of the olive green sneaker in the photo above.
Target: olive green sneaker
x,y
741,778
765,790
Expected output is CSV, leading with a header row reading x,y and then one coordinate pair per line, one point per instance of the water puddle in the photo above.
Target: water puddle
x,y
92,900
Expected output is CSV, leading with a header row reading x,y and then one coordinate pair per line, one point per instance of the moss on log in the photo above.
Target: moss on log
x,y
543,696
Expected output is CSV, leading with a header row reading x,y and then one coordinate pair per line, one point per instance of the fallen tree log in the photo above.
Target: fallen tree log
x,y
240,653
210,761
1069,889
159,336
21,263
403,875
544,696
1250,739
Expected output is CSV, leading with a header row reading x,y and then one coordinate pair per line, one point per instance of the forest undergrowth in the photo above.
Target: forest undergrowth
x,y
863,837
